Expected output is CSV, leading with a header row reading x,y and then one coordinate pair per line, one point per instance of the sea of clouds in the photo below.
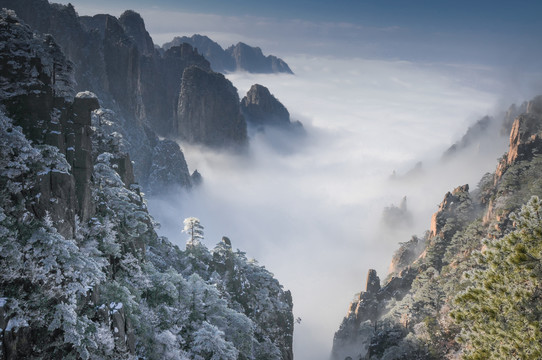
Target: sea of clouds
x,y
309,207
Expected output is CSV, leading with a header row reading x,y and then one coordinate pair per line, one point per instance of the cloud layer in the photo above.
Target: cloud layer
x,y
310,211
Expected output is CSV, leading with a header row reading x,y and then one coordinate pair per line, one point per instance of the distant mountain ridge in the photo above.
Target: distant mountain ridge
x,y
469,287
236,57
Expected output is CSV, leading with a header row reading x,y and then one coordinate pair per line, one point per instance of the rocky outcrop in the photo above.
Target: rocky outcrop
x,y
208,111
510,115
261,108
163,77
168,168
134,27
525,143
362,314
36,82
214,53
405,255
115,59
473,134
353,339
196,178
252,59
525,135
82,165
373,282
237,57
447,208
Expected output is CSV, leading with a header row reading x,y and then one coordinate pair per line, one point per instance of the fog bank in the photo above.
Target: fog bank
x,y
310,211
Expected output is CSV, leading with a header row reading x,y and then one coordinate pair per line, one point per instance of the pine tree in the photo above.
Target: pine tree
x,y
502,312
193,228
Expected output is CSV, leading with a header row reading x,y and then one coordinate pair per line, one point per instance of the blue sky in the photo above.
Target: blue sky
x,y
512,17
496,33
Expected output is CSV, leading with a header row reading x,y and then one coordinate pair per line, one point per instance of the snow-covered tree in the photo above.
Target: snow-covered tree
x,y
194,229
209,344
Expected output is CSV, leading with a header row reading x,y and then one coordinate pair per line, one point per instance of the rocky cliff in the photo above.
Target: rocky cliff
x,y
213,52
208,111
37,91
84,274
116,59
251,59
261,108
419,311
134,27
239,57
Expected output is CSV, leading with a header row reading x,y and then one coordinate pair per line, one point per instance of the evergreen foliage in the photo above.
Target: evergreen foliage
x,y
115,290
501,312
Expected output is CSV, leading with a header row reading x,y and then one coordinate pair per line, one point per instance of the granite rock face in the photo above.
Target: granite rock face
x,y
353,339
36,82
448,208
163,77
214,53
168,168
525,137
252,59
407,253
134,27
116,60
261,108
208,111
511,114
237,57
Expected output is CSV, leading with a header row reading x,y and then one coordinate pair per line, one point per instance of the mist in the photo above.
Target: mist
x,y
309,207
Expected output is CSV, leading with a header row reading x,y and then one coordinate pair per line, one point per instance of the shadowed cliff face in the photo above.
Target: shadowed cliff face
x,y
261,108
134,27
237,57
84,273
116,59
220,61
252,60
209,111
38,93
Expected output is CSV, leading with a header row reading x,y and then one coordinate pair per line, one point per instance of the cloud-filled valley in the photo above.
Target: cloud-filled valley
x,y
373,195
311,211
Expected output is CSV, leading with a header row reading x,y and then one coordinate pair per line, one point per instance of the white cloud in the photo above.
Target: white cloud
x,y
310,214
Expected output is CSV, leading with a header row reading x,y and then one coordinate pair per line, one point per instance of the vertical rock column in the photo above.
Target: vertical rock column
x,y
79,149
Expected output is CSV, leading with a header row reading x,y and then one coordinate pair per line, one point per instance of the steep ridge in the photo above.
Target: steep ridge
x,y
252,60
212,51
260,108
208,111
237,57
84,274
422,309
116,60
